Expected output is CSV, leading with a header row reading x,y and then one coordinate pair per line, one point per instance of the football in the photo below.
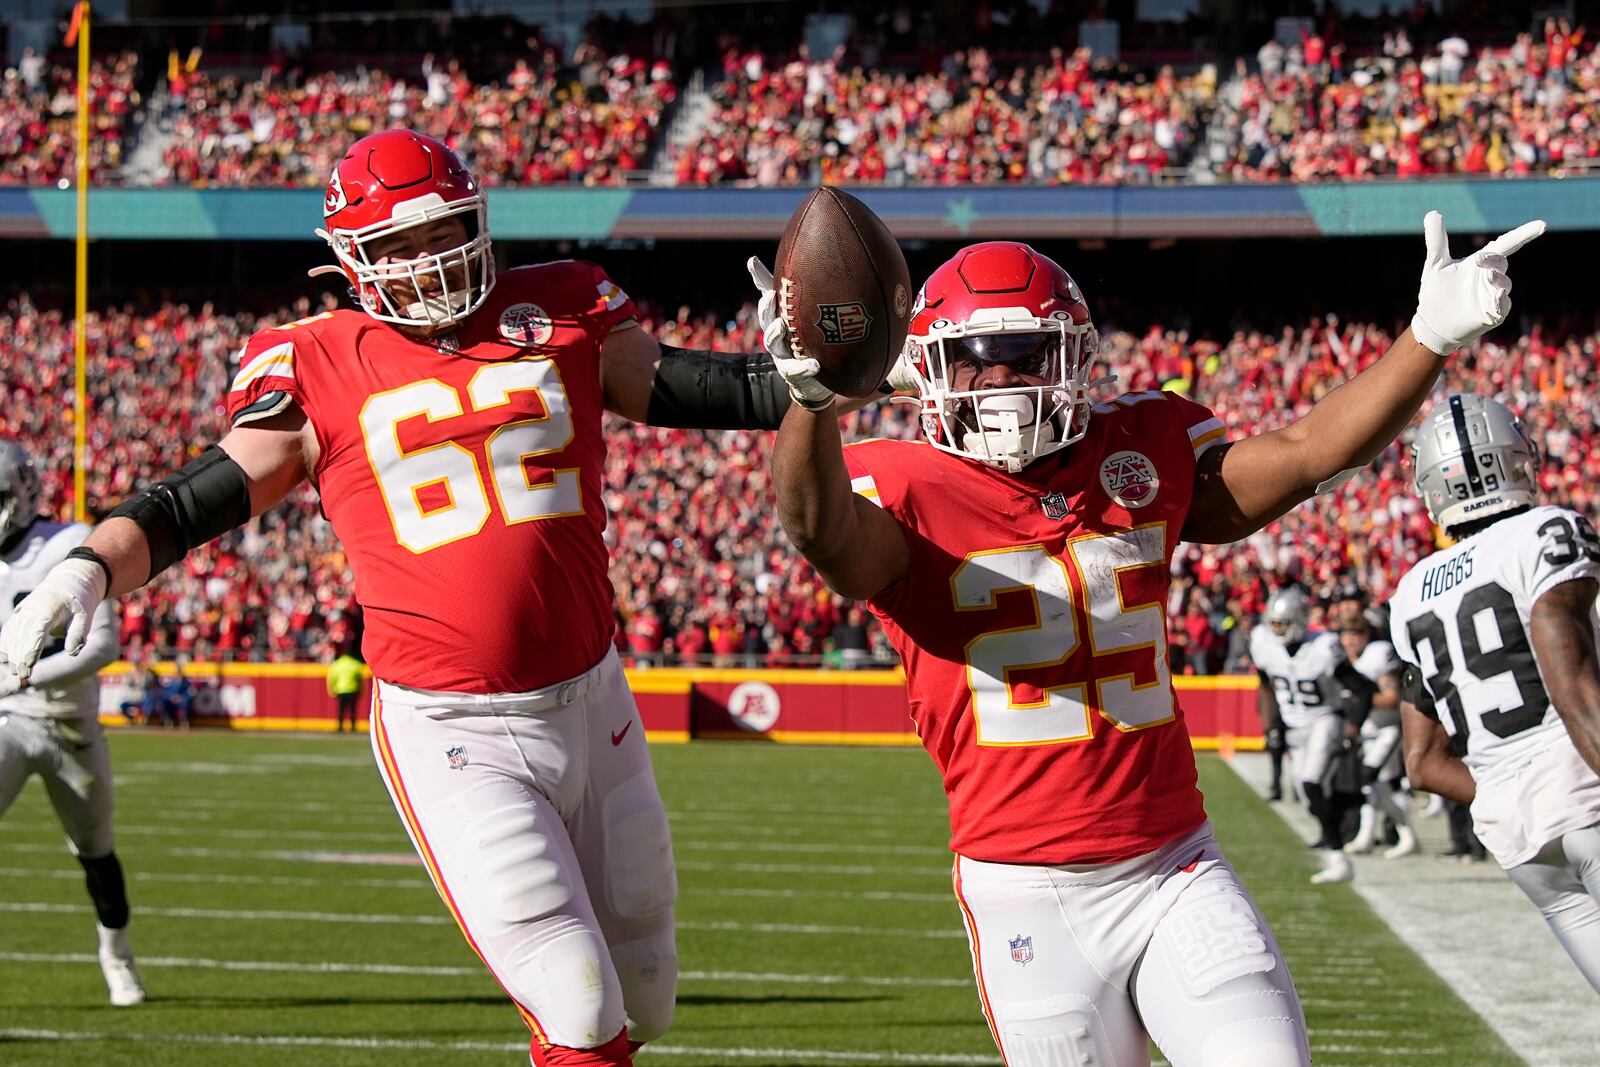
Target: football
x,y
843,290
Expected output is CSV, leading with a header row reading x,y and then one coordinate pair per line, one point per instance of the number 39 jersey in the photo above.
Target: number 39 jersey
x,y
1461,618
1031,622
1303,680
462,476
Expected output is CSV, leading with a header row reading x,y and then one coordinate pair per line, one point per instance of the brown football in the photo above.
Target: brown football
x,y
844,291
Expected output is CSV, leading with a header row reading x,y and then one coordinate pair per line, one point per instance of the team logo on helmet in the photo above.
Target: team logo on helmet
x,y
526,324
843,324
1129,479
334,200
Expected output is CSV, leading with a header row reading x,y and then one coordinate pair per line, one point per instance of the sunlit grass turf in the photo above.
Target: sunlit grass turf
x,y
773,844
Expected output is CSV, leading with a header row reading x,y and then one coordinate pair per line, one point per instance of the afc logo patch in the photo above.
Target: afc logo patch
x,y
1129,479
1054,504
1022,949
843,324
526,324
457,755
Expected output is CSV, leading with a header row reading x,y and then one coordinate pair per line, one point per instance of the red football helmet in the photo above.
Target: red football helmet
x,y
1003,303
393,181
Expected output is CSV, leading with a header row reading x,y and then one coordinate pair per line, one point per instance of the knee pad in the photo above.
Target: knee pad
x,y
560,974
1071,1035
647,969
522,880
641,881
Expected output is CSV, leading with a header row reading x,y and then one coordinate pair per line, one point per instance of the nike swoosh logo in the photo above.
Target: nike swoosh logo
x,y
616,738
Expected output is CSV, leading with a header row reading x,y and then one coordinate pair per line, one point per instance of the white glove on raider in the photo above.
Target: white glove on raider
x,y
1461,299
800,375
67,597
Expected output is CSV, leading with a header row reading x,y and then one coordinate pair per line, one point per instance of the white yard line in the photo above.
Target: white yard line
x,y
1476,931
807,1055
332,967
335,883
41,907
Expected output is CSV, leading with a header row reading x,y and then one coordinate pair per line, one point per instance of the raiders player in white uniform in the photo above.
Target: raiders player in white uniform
x,y
51,727
1304,676
1382,789
1501,694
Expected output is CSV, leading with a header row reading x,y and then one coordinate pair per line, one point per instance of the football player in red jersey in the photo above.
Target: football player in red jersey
x,y
452,428
1019,561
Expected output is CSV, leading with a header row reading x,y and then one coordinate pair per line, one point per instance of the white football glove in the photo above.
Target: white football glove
x,y
800,375
1461,299
67,597
902,379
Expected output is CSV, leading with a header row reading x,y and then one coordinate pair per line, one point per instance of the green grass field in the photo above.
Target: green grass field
x,y
279,918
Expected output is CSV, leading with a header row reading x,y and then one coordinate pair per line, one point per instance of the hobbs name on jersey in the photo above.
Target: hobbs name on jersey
x,y
1447,575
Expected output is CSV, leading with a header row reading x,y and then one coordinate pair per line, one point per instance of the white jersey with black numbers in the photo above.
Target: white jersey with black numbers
x,y
1461,618
1303,678
22,568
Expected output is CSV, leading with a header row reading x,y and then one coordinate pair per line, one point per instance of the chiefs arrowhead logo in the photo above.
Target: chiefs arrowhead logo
x,y
334,200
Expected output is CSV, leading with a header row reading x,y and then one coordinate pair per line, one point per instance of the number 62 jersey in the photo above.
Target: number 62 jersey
x,y
1031,622
1460,618
462,476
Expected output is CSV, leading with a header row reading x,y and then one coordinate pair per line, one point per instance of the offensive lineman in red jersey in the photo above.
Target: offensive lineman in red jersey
x,y
452,428
1019,561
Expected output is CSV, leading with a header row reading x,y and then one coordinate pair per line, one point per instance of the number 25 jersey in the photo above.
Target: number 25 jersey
x,y
1032,626
463,477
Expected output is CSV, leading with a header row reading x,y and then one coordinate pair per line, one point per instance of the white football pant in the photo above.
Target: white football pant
x,y
1312,747
1084,965
70,755
1563,881
538,818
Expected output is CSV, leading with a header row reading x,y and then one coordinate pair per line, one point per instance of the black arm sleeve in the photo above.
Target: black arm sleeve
x,y
1360,688
1413,692
717,391
205,499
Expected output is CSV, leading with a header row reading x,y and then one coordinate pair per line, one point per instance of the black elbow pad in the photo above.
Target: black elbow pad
x,y
205,499
717,391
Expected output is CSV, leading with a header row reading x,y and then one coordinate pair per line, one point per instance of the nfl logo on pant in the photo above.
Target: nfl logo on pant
x,y
457,755
1021,949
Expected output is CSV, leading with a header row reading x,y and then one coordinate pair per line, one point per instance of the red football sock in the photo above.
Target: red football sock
x,y
614,1053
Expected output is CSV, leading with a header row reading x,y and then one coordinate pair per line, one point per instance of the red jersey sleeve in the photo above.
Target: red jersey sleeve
x,y
266,382
1205,430
612,307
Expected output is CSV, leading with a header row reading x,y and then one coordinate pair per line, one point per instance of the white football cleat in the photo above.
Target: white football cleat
x,y
1435,807
116,963
1336,867
1405,846
1366,837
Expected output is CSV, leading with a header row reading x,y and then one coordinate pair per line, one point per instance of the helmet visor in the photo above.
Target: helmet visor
x,y
1035,355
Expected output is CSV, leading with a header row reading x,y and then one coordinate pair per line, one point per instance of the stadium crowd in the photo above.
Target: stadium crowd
x,y
39,115
591,120
594,113
702,571
1309,112
812,119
